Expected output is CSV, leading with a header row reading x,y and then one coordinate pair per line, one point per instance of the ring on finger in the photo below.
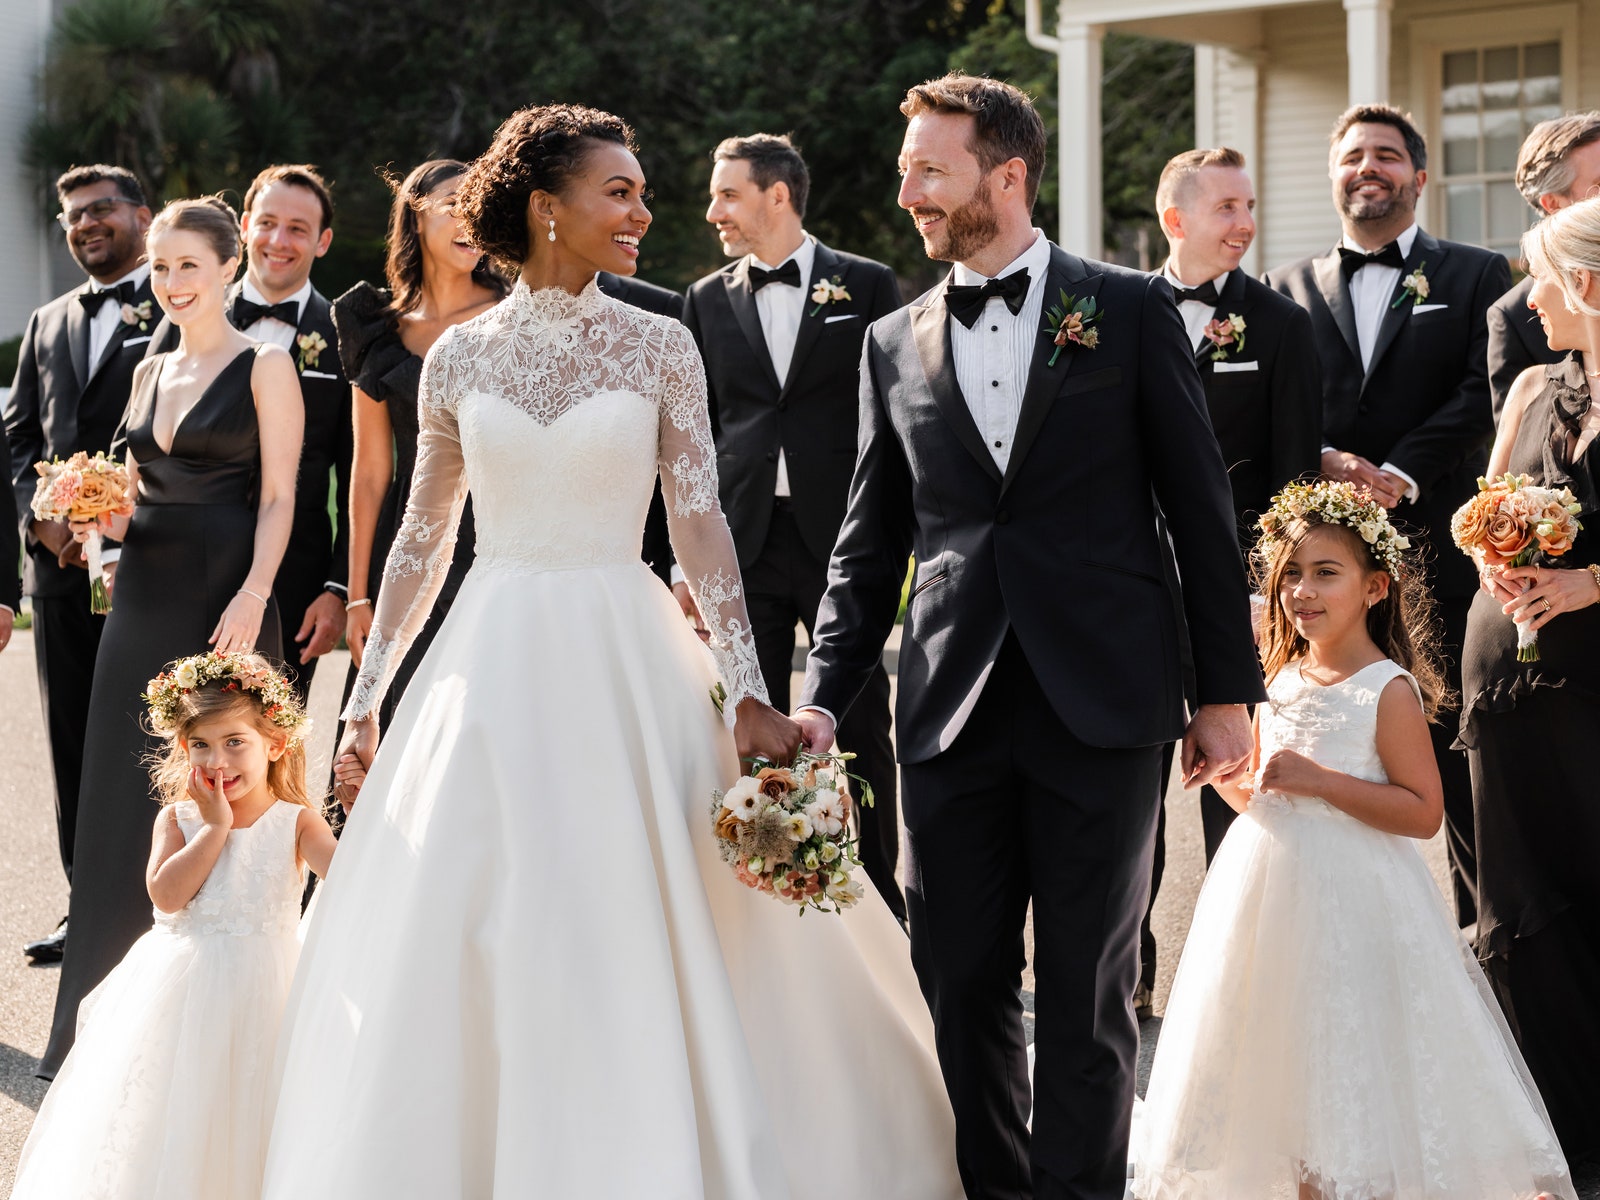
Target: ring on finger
x,y
1546,600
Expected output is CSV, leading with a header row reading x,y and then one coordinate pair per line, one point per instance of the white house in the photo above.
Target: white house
x,y
1271,76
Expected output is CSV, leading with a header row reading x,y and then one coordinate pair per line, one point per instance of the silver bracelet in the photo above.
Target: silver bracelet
x,y
357,603
253,596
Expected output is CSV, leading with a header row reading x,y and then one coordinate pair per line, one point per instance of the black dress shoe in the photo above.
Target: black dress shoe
x,y
48,949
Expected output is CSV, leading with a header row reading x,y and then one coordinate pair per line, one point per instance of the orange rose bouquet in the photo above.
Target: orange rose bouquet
x,y
83,489
786,831
1508,523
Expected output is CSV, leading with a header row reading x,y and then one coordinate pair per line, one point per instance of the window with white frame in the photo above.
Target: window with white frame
x,y
1490,97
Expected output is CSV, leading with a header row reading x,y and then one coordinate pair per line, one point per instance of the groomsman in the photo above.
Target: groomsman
x,y
73,377
10,547
1558,165
1402,337
288,225
1258,362
780,330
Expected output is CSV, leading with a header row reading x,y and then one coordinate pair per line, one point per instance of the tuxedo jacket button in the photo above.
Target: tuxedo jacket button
x,y
772,456
1002,517
1363,408
782,404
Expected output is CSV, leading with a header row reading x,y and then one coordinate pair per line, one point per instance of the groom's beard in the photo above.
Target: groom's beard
x,y
1380,208
967,229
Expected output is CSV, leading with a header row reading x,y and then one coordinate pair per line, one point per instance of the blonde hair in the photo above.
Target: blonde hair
x,y
169,768
1542,166
1564,243
1179,176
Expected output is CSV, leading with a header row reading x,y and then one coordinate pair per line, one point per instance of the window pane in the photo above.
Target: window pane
x,y
1509,213
1543,112
1461,81
1502,135
1460,144
1464,212
1542,60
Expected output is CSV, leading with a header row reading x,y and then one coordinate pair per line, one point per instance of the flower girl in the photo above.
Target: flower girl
x,y
169,1091
1329,1035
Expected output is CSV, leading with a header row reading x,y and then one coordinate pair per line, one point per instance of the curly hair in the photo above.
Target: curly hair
x,y
403,266
537,149
1402,624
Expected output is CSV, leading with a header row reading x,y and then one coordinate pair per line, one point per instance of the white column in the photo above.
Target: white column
x,y
1367,46
1078,109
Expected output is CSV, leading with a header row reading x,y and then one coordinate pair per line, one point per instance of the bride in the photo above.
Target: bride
x,y
531,974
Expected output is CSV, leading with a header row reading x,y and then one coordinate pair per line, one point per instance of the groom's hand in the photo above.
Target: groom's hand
x,y
1217,745
816,728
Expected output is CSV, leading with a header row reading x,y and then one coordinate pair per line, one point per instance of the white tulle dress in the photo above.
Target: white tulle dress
x,y
532,975
1329,1034
168,1093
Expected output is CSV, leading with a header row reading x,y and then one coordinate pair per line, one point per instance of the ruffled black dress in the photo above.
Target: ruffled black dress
x,y
377,362
1531,731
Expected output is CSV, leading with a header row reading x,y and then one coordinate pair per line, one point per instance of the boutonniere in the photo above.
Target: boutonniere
x,y
1414,285
827,293
1225,333
137,314
311,347
1073,321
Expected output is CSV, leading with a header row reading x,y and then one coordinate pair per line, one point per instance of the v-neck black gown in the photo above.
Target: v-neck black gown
x,y
185,556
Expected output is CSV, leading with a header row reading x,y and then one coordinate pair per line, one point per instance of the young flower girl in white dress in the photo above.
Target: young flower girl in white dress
x,y
169,1092
1329,1035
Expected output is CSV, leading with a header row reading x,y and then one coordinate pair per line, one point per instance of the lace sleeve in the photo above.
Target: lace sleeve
x,y
699,531
426,539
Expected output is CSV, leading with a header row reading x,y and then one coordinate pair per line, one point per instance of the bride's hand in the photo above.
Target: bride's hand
x,y
360,743
761,731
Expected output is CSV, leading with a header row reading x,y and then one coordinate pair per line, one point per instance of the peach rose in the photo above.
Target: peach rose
x,y
727,826
1555,529
96,494
774,782
1505,538
1470,524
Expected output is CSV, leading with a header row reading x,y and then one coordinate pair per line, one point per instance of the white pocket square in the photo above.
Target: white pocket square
x,y
1221,367
138,341
1419,309
840,317
308,374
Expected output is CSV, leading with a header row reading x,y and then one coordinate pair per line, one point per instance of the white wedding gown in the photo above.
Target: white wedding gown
x,y
1329,1034
530,974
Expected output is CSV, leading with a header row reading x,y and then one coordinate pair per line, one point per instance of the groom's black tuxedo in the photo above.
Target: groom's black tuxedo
x,y
318,551
783,543
61,403
1040,589
1423,404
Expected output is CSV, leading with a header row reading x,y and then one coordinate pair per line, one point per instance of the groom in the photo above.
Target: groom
x,y
1039,672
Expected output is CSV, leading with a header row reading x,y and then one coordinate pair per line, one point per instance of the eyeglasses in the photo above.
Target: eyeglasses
x,y
98,211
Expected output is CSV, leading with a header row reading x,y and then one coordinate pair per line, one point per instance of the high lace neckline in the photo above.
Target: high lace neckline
x,y
554,305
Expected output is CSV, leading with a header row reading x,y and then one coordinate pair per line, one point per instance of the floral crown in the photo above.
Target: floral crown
x,y
243,672
1328,503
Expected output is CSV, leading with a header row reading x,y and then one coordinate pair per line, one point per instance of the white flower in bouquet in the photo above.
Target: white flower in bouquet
x,y
811,860
843,890
799,826
743,799
828,854
827,812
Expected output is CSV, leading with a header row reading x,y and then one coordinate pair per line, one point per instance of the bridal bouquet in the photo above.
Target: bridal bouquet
x,y
1508,522
786,831
82,489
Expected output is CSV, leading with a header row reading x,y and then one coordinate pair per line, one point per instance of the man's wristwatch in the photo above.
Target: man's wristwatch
x,y
337,590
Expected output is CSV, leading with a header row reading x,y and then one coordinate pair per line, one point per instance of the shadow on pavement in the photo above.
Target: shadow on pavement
x,y
17,1079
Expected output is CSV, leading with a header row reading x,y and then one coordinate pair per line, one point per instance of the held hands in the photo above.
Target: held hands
x,y
321,626
1544,593
1291,774
353,758
1388,490
1217,745
818,730
207,795
761,731
240,623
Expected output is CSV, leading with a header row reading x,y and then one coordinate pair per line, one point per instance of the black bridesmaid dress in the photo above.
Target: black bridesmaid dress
x,y
186,554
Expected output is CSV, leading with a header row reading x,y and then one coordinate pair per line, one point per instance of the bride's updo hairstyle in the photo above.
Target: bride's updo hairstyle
x,y
1564,243
211,217
538,149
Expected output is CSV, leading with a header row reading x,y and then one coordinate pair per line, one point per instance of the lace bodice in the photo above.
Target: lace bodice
x,y
256,884
556,412
1335,725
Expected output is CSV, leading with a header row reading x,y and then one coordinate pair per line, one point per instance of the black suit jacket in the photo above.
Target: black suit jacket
x,y
811,416
318,551
1516,342
657,548
1063,548
10,533
61,403
1265,401
1424,402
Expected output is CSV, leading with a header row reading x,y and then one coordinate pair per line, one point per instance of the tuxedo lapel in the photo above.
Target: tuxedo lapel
x,y
743,302
930,329
78,338
1424,249
1070,275
1336,295
124,331
1229,302
824,265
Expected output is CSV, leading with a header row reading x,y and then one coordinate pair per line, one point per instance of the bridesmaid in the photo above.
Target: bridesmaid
x,y
436,280
214,431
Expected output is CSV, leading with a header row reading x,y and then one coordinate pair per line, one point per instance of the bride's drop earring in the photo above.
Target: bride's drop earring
x,y
552,231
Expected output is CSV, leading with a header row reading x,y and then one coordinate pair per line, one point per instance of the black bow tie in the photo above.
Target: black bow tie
x,y
966,301
788,273
246,313
1351,261
1206,292
93,300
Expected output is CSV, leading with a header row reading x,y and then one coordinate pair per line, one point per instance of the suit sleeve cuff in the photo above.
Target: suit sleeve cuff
x,y
107,557
677,575
1413,492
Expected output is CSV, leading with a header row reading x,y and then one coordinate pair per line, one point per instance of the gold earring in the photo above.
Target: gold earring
x,y
552,231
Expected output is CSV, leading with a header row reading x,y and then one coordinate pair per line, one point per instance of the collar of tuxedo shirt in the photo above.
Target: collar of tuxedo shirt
x,y
137,276
1035,260
804,258
251,293
1220,282
1405,241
